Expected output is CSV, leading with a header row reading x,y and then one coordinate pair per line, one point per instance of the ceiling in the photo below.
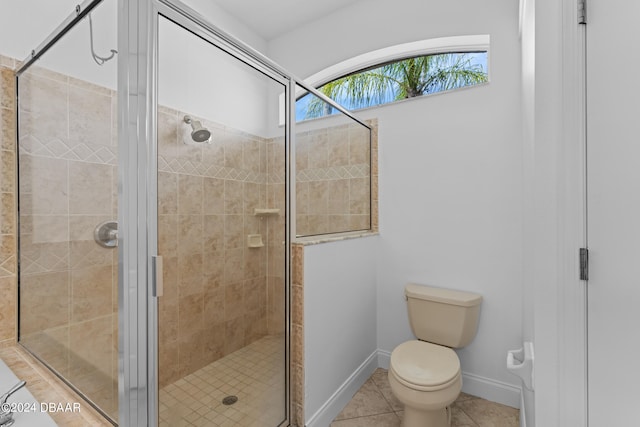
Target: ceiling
x,y
269,19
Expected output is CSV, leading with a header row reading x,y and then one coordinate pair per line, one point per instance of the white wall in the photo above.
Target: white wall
x,y
221,88
528,122
199,78
194,77
24,25
451,216
528,102
339,317
228,23
373,24
451,172
22,30
203,80
548,131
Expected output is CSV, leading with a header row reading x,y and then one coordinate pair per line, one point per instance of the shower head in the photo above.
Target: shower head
x,y
199,133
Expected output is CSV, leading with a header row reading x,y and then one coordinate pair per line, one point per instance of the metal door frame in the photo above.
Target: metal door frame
x,y
138,123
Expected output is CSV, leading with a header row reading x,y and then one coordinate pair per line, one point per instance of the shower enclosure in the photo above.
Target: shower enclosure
x,y
155,216
221,233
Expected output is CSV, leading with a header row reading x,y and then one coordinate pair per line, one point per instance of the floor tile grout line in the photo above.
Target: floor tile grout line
x,y
366,416
458,404
373,415
233,374
475,423
385,397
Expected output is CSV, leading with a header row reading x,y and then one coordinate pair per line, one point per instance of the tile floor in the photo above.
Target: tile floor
x,y
255,374
375,406
46,387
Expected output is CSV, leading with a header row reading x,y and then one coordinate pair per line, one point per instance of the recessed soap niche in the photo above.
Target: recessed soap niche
x,y
255,240
266,212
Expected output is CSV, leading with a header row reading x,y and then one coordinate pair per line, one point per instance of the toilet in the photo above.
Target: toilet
x,y
425,374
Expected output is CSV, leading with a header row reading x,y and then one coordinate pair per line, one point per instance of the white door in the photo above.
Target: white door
x,y
613,206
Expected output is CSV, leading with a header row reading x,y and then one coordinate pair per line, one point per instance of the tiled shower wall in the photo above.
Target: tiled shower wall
x,y
68,291
276,199
8,302
333,179
220,294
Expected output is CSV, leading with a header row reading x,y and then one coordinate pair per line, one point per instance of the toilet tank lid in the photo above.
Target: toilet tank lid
x,y
446,296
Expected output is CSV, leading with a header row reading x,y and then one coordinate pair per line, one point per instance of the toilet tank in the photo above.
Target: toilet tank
x,y
443,316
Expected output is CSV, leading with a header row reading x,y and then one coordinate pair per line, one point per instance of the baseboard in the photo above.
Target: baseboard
x,y
489,389
332,407
486,388
384,358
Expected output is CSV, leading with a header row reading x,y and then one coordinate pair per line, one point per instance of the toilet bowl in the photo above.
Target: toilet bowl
x,y
425,374
426,378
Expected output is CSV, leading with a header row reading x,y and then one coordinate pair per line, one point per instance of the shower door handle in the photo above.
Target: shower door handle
x,y
157,275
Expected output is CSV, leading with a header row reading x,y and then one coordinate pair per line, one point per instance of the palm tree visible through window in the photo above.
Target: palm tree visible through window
x,y
398,80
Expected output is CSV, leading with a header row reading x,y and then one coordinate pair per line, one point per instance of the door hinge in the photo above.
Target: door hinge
x,y
582,12
584,264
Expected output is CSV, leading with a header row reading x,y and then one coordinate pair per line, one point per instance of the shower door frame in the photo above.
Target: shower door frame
x,y
68,24
138,31
137,87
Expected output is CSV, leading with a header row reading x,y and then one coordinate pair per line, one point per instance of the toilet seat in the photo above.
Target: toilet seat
x,y
424,366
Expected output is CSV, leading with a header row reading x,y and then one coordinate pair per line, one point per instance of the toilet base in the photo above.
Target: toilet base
x,y
421,418
426,408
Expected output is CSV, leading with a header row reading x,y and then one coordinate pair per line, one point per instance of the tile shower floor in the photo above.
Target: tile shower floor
x,y
255,374
375,406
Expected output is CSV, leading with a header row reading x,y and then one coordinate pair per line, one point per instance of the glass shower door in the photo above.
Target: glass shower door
x,y
221,232
68,155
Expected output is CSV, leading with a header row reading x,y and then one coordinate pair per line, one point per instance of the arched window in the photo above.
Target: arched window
x,y
399,72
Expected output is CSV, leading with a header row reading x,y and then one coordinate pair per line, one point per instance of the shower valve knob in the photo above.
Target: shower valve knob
x,y
106,234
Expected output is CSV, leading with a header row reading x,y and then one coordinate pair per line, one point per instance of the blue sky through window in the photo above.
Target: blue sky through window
x,y
309,106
